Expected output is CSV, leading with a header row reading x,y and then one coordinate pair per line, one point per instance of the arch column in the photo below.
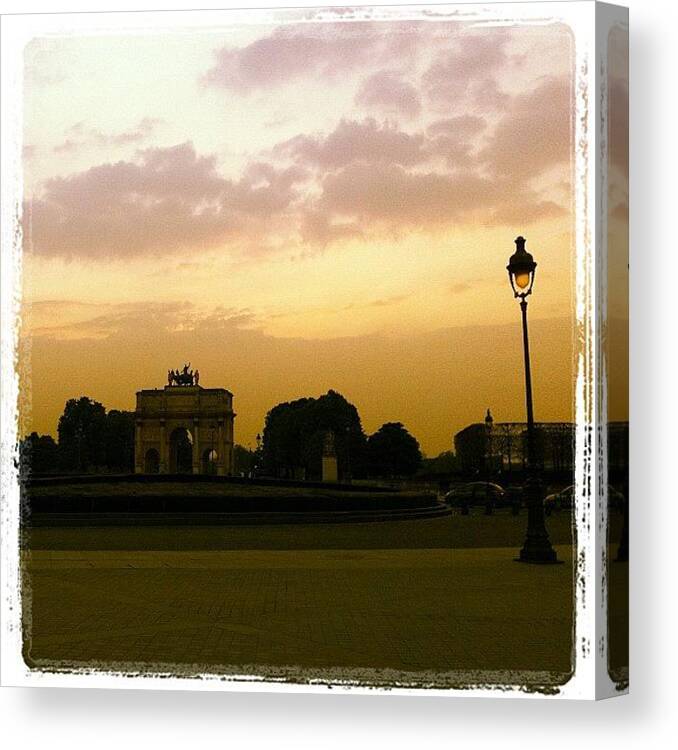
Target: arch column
x,y
196,447
138,448
163,467
222,462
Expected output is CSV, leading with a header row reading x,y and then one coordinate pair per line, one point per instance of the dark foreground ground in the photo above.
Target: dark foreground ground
x,y
426,601
450,531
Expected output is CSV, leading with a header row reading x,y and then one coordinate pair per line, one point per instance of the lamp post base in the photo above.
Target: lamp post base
x,y
545,555
537,548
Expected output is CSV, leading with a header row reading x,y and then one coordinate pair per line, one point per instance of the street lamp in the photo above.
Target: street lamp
x,y
488,461
537,547
489,422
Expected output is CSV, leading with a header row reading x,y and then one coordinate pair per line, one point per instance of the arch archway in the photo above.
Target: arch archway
x,y
181,451
152,461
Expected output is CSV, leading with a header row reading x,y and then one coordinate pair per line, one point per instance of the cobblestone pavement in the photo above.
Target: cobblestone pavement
x,y
405,609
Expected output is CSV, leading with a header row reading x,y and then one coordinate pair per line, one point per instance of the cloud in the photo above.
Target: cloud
x,y
353,141
318,229
291,52
363,179
453,139
127,319
67,146
534,134
395,299
321,50
388,93
397,199
78,136
463,126
465,73
169,199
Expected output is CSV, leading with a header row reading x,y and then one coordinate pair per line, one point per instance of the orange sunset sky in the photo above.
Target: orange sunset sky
x,y
300,207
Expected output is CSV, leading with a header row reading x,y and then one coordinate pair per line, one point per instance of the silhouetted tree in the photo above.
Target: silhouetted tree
x,y
119,441
82,435
39,454
444,463
393,452
294,433
243,460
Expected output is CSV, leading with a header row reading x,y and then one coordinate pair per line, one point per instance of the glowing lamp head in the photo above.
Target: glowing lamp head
x,y
522,280
521,269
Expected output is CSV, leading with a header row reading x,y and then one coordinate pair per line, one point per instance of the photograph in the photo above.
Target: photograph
x,y
320,359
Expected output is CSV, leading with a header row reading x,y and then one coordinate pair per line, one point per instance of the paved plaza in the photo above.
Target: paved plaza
x,y
332,611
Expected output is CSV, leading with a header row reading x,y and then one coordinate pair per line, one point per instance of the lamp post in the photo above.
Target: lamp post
x,y
488,461
537,547
489,422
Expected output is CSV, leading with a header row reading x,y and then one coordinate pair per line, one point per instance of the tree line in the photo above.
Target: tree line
x,y
296,432
92,439
89,439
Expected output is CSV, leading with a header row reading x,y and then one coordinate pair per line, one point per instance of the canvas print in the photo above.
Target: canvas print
x,y
301,354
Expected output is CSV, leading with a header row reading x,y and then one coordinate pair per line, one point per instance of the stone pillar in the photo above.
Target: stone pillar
x,y
138,449
163,467
196,447
222,458
329,459
330,471
232,440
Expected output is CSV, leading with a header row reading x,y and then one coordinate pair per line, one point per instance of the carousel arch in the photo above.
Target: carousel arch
x,y
184,428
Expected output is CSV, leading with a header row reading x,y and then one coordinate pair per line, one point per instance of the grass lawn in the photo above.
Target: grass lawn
x,y
201,489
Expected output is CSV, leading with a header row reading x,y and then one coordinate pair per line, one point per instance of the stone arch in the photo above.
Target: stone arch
x,y
203,416
181,451
152,461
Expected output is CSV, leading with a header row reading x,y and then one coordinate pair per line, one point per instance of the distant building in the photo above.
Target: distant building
x,y
502,446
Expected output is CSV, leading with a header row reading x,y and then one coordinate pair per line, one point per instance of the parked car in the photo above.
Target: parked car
x,y
615,499
557,501
564,499
483,494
